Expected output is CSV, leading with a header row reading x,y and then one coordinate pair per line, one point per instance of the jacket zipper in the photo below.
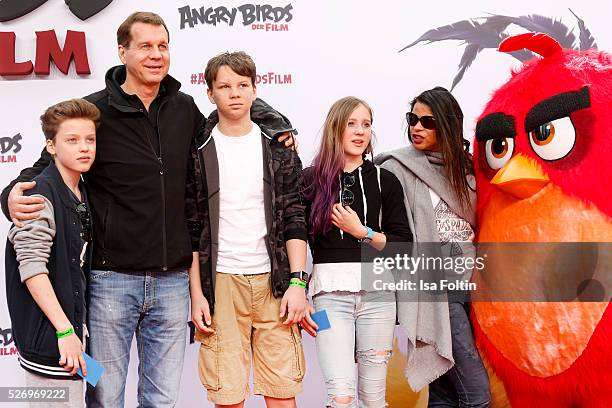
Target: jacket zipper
x,y
163,193
163,187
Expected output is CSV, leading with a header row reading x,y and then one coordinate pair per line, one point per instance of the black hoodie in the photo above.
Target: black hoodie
x,y
392,220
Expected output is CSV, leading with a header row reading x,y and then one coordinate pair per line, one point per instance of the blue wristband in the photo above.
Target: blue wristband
x,y
369,235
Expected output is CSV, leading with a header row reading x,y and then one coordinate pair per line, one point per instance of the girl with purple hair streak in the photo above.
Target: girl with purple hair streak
x,y
351,203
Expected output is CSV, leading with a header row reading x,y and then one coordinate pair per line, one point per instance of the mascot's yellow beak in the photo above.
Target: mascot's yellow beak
x,y
521,176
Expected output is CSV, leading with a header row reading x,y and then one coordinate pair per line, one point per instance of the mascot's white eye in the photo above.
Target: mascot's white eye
x,y
499,151
553,140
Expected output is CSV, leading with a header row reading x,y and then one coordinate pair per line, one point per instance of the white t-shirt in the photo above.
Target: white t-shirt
x,y
242,220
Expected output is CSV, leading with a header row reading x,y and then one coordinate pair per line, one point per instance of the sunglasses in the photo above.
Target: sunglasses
x,y
428,122
83,214
347,197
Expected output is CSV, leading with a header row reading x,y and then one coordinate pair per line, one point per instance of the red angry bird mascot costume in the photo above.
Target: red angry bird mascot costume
x,y
543,162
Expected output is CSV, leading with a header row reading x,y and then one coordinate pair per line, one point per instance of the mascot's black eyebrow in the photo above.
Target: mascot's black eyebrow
x,y
557,107
494,126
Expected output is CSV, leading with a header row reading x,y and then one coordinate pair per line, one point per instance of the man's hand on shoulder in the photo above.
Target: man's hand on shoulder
x,y
290,141
23,208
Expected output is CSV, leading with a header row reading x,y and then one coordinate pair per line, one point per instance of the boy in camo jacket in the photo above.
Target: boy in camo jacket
x,y
252,252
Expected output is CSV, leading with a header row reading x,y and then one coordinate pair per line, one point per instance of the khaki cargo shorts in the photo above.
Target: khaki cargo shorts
x,y
246,320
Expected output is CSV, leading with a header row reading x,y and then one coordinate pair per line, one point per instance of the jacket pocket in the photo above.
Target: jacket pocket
x,y
208,361
35,340
105,238
110,240
44,341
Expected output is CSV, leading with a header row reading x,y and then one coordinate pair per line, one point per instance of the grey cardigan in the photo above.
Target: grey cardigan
x,y
426,323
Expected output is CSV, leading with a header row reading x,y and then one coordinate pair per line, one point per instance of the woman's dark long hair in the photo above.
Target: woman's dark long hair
x,y
449,135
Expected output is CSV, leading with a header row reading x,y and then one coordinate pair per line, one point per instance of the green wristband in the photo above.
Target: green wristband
x,y
297,282
69,331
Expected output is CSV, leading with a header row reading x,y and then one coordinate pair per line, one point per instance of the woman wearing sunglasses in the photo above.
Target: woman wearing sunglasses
x,y
350,203
436,174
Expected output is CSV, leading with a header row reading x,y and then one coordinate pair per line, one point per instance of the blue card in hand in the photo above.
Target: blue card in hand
x,y
94,370
321,319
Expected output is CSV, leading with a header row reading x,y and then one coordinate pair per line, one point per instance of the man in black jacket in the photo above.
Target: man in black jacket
x,y
142,248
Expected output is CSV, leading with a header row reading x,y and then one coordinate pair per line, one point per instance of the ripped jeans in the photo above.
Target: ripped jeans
x,y
362,326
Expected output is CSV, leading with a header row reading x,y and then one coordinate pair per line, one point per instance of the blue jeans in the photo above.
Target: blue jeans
x,y
467,383
153,305
362,326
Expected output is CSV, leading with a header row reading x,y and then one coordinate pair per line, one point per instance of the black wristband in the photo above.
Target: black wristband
x,y
301,275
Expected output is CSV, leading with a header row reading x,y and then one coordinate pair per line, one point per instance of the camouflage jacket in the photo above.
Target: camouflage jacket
x,y
283,204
